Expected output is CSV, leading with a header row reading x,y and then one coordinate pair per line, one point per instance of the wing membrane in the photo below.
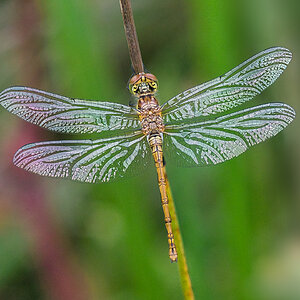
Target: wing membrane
x,y
230,90
66,115
86,160
213,142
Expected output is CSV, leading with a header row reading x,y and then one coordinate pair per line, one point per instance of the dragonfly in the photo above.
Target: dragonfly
x,y
198,127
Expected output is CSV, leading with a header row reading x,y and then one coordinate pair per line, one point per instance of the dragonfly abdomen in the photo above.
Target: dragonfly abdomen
x,y
155,142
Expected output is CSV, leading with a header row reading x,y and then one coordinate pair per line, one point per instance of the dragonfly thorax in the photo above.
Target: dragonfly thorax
x,y
150,115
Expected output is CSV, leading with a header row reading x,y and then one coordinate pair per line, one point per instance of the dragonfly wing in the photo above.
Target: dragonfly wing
x,y
66,115
230,90
91,161
215,141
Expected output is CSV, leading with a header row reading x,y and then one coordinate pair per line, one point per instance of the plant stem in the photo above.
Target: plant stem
x,y
182,264
137,64
131,36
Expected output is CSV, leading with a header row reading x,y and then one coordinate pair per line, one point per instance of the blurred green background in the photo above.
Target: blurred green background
x,y
239,220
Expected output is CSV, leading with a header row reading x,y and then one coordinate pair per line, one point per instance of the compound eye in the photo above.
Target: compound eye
x,y
151,76
134,79
153,85
134,88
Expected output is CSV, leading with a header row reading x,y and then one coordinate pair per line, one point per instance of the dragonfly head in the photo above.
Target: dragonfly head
x,y
143,83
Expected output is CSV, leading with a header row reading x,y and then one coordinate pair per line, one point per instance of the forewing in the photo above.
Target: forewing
x,y
66,115
90,161
213,142
230,90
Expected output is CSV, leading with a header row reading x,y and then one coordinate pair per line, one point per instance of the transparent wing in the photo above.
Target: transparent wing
x,y
230,90
62,114
213,142
95,161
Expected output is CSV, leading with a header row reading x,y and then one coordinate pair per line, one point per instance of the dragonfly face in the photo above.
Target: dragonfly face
x,y
194,128
142,84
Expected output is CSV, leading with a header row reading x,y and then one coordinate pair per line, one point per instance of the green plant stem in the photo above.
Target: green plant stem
x,y
182,264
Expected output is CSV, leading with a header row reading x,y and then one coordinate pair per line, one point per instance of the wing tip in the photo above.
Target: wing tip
x,y
283,109
291,111
278,48
16,158
283,52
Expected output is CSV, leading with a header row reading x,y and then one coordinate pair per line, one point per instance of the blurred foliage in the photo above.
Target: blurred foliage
x,y
239,220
